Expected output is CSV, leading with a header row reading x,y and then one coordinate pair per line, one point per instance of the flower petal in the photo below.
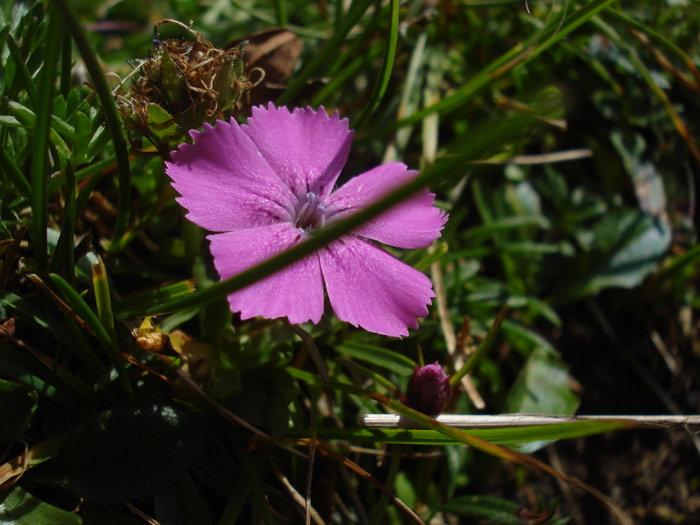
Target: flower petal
x,y
307,149
413,223
370,288
295,292
225,183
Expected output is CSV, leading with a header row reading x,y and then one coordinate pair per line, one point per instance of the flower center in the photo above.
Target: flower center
x,y
311,214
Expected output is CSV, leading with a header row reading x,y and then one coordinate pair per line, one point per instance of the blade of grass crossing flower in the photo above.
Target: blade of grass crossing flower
x,y
387,65
96,327
22,70
486,139
482,349
101,87
357,10
40,167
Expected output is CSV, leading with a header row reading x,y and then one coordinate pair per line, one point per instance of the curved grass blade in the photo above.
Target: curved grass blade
x,y
78,304
482,349
153,298
14,174
378,356
387,65
23,369
38,318
103,299
24,74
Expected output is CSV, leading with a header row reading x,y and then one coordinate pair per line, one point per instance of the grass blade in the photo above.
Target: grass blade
x,y
40,167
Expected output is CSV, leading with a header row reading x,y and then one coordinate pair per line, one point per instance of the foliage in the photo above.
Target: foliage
x,y
559,137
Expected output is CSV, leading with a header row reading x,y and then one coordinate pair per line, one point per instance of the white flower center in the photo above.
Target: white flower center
x,y
311,214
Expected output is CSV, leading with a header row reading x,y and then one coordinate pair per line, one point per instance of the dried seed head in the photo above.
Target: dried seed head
x,y
180,86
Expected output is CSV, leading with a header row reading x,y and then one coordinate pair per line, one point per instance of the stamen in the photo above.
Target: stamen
x,y
311,214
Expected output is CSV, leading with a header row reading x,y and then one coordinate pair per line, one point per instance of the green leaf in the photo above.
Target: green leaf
x,y
628,247
500,436
543,387
144,450
163,126
17,405
98,329
19,507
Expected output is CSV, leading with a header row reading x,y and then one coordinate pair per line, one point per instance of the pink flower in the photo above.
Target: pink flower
x,y
429,390
269,184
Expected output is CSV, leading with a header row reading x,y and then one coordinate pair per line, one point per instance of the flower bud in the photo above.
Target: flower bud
x,y
429,389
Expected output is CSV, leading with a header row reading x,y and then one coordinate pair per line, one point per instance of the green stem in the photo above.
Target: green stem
x,y
40,168
482,349
281,9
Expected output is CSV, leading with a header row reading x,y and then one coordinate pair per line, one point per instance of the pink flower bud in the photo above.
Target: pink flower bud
x,y
429,389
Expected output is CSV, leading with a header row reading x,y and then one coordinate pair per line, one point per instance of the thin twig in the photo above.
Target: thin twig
x,y
691,423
